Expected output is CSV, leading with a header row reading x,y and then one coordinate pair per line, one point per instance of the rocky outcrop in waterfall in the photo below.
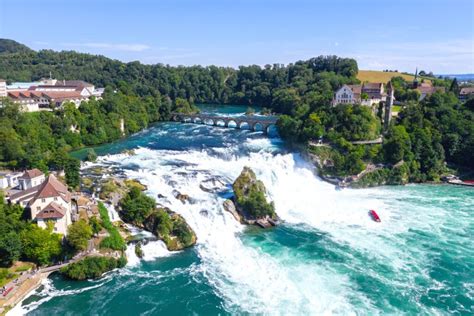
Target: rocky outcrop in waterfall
x,y
140,210
250,205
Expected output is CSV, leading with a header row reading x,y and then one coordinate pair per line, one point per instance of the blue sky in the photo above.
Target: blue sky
x,y
436,35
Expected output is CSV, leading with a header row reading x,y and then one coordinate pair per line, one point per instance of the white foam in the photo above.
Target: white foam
x,y
238,273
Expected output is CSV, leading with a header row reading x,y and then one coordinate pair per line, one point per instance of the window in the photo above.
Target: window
x,y
55,198
38,208
43,200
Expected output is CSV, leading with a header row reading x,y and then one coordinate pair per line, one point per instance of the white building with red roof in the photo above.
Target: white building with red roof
x,y
30,179
50,201
37,96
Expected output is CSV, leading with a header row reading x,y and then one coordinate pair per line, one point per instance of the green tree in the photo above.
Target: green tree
x,y
79,234
397,144
95,225
71,169
40,245
91,155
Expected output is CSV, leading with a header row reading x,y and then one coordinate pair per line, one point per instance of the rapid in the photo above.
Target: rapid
x,y
328,256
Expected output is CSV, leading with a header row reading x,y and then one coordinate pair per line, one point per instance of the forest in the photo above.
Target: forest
x,y
425,135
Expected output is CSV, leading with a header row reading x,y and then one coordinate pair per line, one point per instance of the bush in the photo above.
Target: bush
x,y
114,241
92,267
136,206
79,234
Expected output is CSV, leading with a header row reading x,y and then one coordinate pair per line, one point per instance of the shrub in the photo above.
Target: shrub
x,y
92,267
114,241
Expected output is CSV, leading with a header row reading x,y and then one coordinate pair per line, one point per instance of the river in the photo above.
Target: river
x,y
328,257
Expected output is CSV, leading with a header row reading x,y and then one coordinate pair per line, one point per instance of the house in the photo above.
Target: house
x,y
365,94
32,100
3,181
31,178
9,179
466,93
50,201
347,94
374,91
3,88
47,93
426,89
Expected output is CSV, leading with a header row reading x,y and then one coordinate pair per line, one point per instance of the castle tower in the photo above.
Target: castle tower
x,y
388,106
415,81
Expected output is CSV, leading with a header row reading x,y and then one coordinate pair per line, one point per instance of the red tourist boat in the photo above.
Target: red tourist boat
x,y
374,216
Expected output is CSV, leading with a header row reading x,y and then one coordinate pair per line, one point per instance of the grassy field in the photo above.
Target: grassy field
x,y
380,76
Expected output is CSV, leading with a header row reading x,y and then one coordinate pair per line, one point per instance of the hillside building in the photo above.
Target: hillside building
x,y
51,93
365,94
48,201
466,93
3,88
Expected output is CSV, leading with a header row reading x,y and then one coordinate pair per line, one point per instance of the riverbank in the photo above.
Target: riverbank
x,y
21,291
373,175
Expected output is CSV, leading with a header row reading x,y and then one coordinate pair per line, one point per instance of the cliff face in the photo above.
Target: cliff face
x,y
250,199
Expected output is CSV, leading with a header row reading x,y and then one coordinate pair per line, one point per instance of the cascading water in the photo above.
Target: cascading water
x,y
328,256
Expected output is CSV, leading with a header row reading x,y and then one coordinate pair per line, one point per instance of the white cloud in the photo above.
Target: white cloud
x,y
111,46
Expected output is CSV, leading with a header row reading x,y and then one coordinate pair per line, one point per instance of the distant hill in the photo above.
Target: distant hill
x,y
460,77
381,76
8,46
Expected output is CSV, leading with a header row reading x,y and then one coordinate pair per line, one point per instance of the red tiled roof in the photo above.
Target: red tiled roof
x,y
53,187
430,89
33,173
74,83
372,85
467,90
53,210
26,194
356,88
62,94
24,94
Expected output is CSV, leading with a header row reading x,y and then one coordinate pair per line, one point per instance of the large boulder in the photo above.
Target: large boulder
x,y
229,206
171,228
250,198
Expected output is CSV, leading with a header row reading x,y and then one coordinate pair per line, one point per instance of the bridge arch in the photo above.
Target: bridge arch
x,y
244,125
271,129
187,119
220,122
231,123
197,120
208,121
258,127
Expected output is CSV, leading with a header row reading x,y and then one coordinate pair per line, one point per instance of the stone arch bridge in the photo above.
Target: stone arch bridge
x,y
253,123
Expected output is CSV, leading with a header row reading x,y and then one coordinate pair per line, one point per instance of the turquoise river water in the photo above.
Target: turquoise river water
x,y
328,257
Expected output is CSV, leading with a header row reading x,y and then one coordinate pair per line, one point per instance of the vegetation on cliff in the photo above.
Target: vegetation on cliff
x,y
114,241
250,196
139,209
92,267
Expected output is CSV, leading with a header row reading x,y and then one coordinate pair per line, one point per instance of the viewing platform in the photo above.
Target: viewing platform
x,y
253,123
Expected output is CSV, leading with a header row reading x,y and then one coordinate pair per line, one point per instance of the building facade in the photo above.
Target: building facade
x,y
51,93
48,202
3,88
31,178
466,93
347,94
